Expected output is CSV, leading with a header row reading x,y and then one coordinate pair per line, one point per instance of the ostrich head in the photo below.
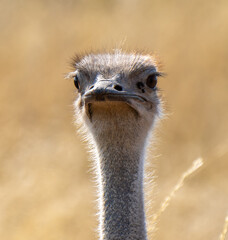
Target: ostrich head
x,y
118,88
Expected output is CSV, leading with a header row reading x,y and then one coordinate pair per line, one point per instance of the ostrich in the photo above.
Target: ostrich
x,y
117,105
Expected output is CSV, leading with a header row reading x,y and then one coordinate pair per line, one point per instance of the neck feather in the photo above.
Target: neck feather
x,y
120,167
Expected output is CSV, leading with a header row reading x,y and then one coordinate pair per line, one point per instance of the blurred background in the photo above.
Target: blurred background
x,y
46,183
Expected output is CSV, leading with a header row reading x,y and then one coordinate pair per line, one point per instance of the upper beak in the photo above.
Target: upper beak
x,y
110,90
105,90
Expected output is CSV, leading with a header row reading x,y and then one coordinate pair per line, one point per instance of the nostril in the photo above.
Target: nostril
x,y
91,87
118,88
140,85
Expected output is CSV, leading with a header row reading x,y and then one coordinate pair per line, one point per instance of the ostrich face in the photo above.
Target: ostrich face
x,y
116,86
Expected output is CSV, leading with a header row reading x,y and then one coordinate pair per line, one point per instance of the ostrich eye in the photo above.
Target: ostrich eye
x,y
151,81
76,82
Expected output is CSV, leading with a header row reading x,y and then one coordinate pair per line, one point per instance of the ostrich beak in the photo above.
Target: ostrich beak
x,y
109,90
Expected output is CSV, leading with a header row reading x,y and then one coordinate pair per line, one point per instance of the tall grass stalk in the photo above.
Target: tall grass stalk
x,y
196,165
225,228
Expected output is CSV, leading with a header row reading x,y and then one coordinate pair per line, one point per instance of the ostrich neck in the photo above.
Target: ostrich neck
x,y
120,175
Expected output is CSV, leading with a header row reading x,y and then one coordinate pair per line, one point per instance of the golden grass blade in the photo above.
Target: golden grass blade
x,y
196,165
225,228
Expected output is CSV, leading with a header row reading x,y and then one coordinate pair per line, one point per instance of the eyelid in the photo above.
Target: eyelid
x,y
157,74
72,74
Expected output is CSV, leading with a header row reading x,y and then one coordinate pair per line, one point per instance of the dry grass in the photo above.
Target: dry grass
x,y
224,231
45,186
196,165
